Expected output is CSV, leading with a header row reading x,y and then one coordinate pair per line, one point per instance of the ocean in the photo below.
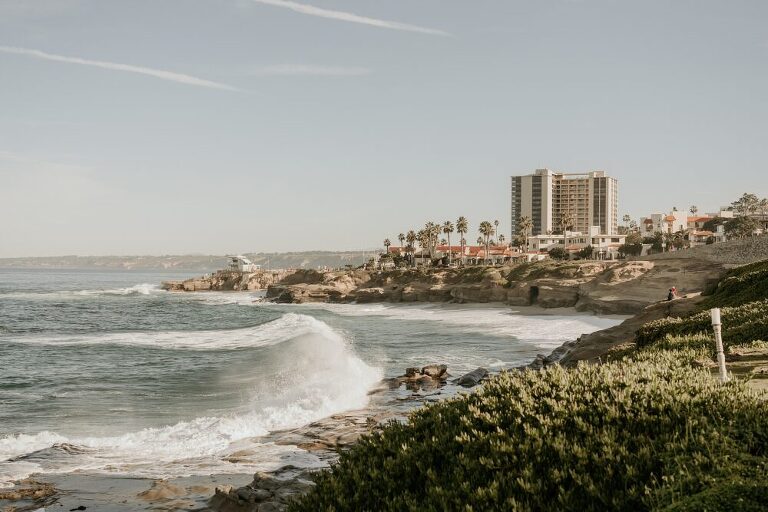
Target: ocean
x,y
102,372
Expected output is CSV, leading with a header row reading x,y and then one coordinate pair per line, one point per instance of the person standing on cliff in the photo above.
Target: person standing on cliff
x,y
671,294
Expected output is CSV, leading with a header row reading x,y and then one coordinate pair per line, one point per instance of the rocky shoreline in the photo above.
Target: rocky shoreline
x,y
270,490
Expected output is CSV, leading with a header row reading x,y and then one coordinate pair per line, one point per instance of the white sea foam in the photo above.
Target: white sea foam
x,y
319,375
137,289
542,329
286,327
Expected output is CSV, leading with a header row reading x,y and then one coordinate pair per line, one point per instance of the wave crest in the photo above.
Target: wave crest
x,y
310,372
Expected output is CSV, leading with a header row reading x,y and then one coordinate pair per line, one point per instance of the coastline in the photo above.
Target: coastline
x,y
339,431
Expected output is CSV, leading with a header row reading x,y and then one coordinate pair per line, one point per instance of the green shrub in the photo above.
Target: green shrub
x,y
740,285
558,253
741,324
639,434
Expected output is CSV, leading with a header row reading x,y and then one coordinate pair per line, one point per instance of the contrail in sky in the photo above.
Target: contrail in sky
x,y
157,73
353,18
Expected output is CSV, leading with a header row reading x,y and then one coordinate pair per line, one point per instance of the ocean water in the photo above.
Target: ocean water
x,y
103,372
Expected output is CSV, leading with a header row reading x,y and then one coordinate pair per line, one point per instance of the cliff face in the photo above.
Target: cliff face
x,y
229,281
596,286
600,287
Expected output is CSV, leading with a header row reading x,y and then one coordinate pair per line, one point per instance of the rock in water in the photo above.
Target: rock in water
x,y
472,378
162,490
436,371
411,372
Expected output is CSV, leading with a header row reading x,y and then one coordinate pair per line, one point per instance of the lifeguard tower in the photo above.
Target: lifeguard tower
x,y
242,265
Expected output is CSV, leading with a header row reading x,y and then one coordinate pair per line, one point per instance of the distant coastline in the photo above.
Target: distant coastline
x,y
190,262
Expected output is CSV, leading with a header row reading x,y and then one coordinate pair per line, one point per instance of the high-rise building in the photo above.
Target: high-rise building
x,y
547,196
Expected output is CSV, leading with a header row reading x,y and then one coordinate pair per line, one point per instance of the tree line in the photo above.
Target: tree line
x,y
429,237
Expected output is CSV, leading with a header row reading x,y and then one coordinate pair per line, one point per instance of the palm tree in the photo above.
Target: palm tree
x,y
501,239
566,221
401,237
411,239
693,209
432,232
434,237
496,226
462,226
626,218
425,240
448,229
387,243
486,229
524,225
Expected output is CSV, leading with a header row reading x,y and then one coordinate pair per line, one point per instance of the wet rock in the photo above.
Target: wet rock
x,y
28,490
540,362
435,371
366,295
412,372
267,492
162,490
472,378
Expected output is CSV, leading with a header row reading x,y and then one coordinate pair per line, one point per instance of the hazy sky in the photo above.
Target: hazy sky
x,y
213,126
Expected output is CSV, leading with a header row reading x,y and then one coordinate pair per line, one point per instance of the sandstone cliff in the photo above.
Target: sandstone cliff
x,y
599,287
229,281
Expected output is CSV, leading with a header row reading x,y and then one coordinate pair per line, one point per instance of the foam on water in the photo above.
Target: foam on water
x,y
137,289
545,330
318,374
286,327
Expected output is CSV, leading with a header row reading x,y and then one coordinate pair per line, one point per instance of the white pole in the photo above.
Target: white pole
x,y
715,312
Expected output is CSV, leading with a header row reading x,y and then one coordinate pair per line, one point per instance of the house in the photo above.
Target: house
x,y
700,237
697,223
242,265
671,222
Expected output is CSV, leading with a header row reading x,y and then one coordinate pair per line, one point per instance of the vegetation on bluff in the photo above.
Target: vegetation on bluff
x,y
640,434
741,285
742,293
652,430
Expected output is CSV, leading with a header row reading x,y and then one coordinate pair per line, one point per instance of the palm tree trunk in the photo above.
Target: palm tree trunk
x,y
449,248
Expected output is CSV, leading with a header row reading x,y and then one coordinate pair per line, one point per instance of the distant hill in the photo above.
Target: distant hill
x,y
193,262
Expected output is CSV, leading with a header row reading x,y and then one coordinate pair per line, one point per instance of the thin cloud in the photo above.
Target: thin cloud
x,y
352,18
157,73
310,70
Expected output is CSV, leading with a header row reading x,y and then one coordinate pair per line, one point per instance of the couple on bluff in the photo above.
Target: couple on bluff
x,y
672,293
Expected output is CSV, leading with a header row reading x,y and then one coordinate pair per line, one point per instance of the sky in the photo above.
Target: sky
x,y
222,126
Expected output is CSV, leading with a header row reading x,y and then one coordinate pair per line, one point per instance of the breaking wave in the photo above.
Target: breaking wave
x,y
309,372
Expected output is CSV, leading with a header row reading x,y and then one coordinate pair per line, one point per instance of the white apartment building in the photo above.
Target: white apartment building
x,y
605,246
545,196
